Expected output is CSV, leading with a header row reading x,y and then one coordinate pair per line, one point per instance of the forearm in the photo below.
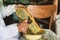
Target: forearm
x,y
10,31
8,10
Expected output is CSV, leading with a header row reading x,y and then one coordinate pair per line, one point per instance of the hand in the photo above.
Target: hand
x,y
22,27
18,6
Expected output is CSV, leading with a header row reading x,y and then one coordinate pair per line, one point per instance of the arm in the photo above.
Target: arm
x,y
7,10
9,32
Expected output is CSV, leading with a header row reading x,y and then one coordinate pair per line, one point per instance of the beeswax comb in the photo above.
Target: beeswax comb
x,y
23,14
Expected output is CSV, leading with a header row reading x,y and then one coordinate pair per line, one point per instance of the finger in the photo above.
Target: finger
x,y
19,5
25,21
16,7
24,31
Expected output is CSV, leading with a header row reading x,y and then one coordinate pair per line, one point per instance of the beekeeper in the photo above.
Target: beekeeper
x,y
10,32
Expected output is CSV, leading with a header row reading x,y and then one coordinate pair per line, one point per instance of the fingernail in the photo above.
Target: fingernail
x,y
26,20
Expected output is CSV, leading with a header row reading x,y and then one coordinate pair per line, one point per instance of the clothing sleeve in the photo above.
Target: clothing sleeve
x,y
7,10
12,39
10,32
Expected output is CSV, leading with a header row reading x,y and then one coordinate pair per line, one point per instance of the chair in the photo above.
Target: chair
x,y
42,11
